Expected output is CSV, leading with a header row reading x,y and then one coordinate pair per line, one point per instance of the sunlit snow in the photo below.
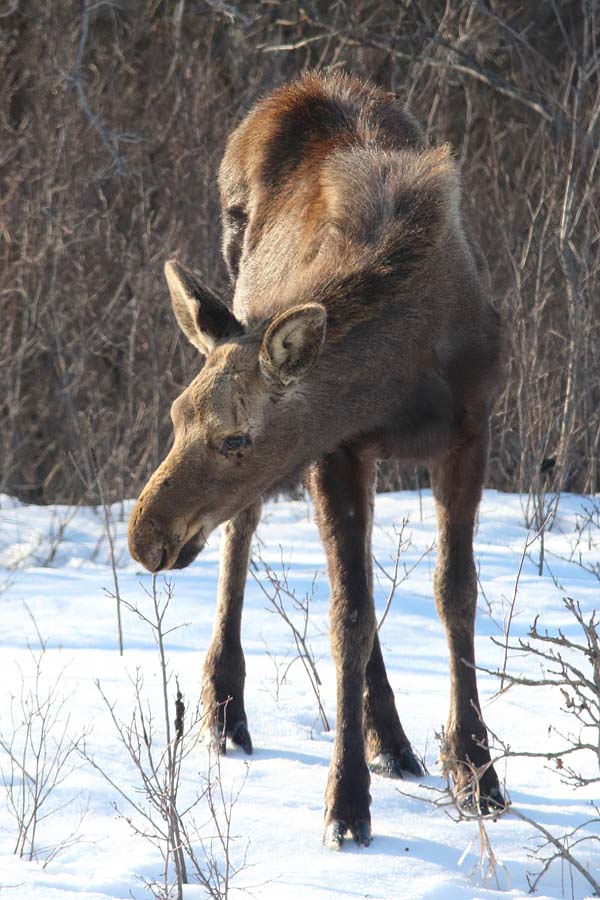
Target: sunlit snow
x,y
56,578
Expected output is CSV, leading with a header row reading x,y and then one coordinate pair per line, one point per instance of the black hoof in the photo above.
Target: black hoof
x,y
474,803
336,831
362,833
493,802
240,736
397,765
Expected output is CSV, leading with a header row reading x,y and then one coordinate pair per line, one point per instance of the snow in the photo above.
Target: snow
x,y
55,582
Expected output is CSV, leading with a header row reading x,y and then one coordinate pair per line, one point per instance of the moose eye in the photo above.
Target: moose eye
x,y
235,442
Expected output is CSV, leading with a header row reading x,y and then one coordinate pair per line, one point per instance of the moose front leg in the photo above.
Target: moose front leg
x,y
457,480
224,667
341,487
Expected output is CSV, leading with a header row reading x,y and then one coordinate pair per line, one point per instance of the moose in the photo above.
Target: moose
x,y
361,328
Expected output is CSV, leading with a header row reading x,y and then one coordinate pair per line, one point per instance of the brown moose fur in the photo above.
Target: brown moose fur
x,y
361,328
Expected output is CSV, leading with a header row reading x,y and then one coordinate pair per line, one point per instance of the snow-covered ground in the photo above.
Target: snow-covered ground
x,y
54,576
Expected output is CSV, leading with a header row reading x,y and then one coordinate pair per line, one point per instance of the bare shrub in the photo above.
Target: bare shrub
x,y
468,806
399,571
549,848
38,754
571,664
157,750
281,597
561,849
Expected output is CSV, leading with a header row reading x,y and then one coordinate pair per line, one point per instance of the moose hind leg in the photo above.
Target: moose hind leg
x,y
224,671
388,749
389,752
457,480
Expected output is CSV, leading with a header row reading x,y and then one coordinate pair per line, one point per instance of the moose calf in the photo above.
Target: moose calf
x,y
361,328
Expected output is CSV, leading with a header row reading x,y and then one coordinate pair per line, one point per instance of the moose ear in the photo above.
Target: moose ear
x,y
203,318
292,343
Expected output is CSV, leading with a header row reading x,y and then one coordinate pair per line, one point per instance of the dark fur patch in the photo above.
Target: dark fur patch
x,y
306,119
235,219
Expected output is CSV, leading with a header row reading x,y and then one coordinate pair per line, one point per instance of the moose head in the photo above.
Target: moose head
x,y
237,426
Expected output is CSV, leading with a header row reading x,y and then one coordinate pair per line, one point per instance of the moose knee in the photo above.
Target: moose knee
x,y
455,592
352,633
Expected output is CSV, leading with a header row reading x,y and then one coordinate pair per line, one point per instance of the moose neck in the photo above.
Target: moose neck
x,y
374,385
342,398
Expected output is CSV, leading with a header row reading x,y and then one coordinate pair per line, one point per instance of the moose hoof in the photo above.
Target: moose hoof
x,y
336,831
396,765
362,833
473,803
240,736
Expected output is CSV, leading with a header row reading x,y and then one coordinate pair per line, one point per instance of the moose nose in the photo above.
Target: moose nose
x,y
163,561
148,543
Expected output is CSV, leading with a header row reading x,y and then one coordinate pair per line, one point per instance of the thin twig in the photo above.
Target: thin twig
x,y
563,851
528,543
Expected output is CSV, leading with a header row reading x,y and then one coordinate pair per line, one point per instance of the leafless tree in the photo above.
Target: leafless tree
x,y
113,117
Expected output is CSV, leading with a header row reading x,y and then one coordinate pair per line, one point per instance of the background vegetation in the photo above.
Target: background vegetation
x,y
113,118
